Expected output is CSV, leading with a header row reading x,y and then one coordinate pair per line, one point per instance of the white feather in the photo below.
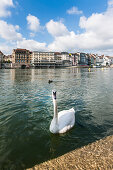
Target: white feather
x,y
62,121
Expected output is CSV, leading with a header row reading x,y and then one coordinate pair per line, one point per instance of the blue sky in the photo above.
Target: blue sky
x,y
57,25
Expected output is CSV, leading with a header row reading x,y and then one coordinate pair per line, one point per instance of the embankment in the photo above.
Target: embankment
x,y
97,155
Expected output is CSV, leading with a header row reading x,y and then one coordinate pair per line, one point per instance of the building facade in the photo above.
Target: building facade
x,y
99,60
93,59
43,59
83,59
111,60
50,59
66,59
58,58
7,59
21,57
1,59
106,61
75,58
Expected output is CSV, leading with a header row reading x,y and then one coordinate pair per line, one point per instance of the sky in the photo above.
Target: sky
x,y
57,25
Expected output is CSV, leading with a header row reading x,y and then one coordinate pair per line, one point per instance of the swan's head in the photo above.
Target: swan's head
x,y
54,94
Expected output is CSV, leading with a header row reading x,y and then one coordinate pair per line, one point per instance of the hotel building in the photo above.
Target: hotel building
x,y
50,59
43,58
21,57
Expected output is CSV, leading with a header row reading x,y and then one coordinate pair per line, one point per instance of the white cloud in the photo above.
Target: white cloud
x,y
9,32
32,34
110,3
97,35
4,4
74,10
31,45
101,26
13,39
56,28
33,23
7,48
63,43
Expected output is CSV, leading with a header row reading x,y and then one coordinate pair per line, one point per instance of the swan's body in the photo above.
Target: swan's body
x,y
62,121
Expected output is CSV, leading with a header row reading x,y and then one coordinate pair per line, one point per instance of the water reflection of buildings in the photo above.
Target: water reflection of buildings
x,y
42,74
21,75
75,70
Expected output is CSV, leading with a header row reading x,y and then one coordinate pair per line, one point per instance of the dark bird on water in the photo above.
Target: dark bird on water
x,y
50,81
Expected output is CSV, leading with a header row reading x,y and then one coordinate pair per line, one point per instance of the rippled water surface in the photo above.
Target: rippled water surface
x,y
26,111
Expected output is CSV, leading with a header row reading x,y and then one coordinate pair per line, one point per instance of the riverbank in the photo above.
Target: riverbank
x,y
98,155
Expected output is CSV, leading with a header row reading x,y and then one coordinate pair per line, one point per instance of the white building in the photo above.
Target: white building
x,y
58,58
43,58
103,61
66,59
50,59
63,59
106,61
65,56
111,60
99,60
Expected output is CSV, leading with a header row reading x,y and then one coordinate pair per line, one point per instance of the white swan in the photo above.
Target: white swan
x,y
62,121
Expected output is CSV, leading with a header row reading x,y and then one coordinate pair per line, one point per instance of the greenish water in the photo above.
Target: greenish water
x,y
26,111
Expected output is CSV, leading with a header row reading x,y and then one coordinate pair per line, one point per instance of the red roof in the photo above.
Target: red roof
x,y
57,53
19,49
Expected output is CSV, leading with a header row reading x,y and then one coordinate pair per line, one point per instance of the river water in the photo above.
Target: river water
x,y
26,111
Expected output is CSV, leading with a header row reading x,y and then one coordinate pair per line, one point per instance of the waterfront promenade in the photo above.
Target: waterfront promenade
x,y
95,156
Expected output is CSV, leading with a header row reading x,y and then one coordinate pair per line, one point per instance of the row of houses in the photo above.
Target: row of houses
x,y
25,58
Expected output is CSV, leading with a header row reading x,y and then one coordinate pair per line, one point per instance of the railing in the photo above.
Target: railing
x,y
44,61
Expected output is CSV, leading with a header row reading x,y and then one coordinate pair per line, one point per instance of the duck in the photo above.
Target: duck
x,y
62,121
50,81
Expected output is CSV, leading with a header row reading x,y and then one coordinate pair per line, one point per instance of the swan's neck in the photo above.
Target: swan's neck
x,y
55,110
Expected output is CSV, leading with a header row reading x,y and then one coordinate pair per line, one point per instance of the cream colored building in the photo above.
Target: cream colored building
x,y
58,58
43,58
7,58
50,59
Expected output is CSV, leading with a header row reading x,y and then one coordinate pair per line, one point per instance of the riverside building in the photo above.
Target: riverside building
x,y
75,58
66,59
21,58
1,59
7,59
83,59
58,58
63,59
43,59
50,59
